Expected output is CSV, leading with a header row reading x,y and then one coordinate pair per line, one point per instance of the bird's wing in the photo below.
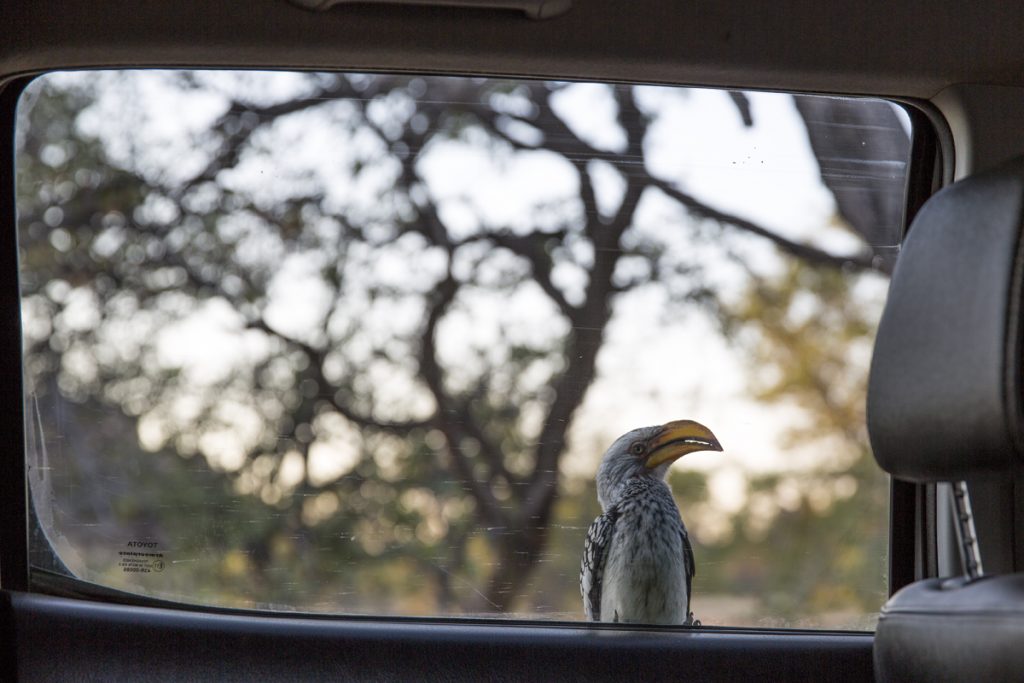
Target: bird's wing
x,y
689,564
599,537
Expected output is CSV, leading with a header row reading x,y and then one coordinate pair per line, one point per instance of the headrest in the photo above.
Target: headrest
x,y
953,630
944,396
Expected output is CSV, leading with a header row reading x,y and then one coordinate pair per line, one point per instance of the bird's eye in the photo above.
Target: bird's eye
x,y
638,448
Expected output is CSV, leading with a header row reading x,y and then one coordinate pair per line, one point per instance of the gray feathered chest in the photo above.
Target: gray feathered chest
x,y
637,563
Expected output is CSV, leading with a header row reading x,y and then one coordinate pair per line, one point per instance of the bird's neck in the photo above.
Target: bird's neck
x,y
608,494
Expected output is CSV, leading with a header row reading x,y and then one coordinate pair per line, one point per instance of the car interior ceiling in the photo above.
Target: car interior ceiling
x,y
950,414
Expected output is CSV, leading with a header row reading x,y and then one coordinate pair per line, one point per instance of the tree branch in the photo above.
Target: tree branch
x,y
863,261
558,137
316,361
230,150
532,247
444,295
588,324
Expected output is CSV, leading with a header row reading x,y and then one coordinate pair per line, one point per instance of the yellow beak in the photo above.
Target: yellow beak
x,y
678,438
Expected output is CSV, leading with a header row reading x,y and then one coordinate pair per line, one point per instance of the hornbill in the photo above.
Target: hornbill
x,y
637,561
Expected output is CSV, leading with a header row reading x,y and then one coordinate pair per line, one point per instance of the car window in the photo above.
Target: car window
x,y
356,343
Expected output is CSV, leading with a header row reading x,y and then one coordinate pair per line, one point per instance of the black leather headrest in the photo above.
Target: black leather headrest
x,y
944,397
953,630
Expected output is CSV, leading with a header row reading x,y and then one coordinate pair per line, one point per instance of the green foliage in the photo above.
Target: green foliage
x,y
811,539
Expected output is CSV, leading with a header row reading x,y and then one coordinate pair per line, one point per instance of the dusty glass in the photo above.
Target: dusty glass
x,y
355,343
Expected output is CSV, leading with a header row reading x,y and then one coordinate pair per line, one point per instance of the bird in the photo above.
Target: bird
x,y
638,564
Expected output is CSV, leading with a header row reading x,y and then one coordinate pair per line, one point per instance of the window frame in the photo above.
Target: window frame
x,y
13,478
913,531
912,507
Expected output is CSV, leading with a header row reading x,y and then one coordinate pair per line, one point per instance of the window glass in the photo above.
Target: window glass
x,y
356,343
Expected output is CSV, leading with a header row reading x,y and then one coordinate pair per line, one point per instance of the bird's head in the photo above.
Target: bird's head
x,y
648,452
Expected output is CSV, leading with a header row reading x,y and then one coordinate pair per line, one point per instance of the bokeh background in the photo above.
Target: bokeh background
x,y
355,343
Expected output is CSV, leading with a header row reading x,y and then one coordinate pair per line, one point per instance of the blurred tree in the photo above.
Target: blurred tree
x,y
819,524
456,423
